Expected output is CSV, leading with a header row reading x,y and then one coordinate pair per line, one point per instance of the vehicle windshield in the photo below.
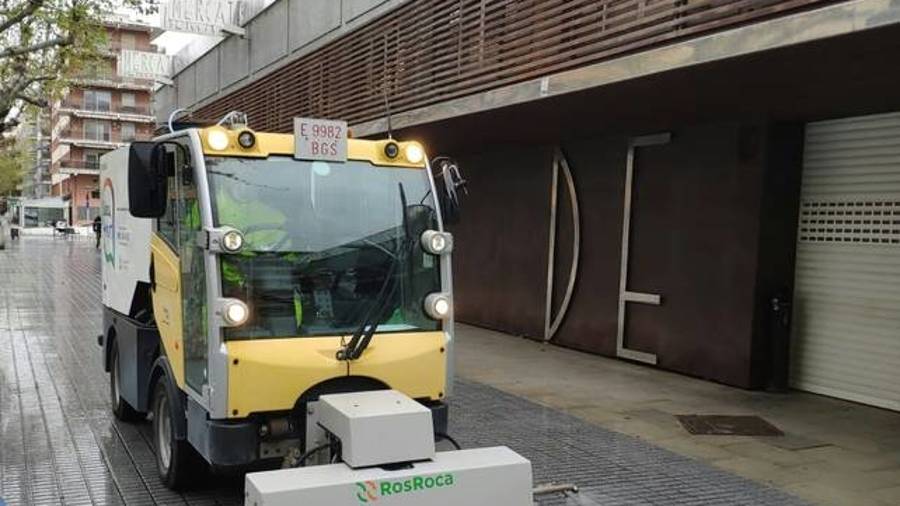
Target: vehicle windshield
x,y
322,241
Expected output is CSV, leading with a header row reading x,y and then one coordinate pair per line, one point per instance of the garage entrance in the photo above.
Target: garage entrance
x,y
846,331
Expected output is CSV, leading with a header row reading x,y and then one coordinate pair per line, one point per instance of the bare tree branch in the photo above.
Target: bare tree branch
x,y
37,102
28,10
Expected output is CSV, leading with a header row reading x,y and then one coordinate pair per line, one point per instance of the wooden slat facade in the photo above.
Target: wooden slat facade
x,y
429,51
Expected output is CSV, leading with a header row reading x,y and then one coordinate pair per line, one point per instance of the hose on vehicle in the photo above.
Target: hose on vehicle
x,y
446,437
306,456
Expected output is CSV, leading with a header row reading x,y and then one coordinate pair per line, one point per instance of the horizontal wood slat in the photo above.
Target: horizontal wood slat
x,y
429,51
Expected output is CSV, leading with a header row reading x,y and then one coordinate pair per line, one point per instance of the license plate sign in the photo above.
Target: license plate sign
x,y
320,139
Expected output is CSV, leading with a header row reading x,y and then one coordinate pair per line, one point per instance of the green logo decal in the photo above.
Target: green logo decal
x,y
367,491
108,222
371,491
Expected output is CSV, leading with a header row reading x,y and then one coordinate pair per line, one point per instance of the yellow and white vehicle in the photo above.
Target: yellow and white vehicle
x,y
247,274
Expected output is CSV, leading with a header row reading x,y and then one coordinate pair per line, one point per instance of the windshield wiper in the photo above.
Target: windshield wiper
x,y
363,335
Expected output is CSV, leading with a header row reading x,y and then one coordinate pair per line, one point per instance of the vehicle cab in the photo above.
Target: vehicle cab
x,y
281,267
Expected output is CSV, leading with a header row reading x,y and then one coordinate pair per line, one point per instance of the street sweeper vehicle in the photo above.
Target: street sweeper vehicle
x,y
284,301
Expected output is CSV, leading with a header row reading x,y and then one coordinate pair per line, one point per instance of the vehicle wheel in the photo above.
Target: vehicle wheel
x,y
120,406
176,461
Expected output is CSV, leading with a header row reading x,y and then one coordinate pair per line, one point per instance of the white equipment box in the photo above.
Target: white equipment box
x,y
481,477
379,427
126,239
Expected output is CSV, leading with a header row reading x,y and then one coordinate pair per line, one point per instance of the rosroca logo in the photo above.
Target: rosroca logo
x,y
368,491
371,491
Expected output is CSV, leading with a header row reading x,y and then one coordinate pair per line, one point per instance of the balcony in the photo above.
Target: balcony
x,y
75,167
110,80
105,141
134,114
113,48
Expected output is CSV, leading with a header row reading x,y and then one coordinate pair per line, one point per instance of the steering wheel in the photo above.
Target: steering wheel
x,y
268,227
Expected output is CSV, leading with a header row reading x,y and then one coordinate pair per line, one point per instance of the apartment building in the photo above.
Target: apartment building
x,y
34,132
100,112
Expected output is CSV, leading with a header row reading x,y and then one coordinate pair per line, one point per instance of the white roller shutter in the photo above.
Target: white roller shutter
x,y
846,330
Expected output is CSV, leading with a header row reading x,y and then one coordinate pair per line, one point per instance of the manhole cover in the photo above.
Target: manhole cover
x,y
723,425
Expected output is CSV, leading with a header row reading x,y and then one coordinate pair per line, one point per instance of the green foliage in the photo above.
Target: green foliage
x,y
44,43
14,159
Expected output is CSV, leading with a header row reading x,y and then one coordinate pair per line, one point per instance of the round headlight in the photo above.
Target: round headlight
x,y
235,313
437,243
438,306
246,139
217,140
391,150
232,241
414,153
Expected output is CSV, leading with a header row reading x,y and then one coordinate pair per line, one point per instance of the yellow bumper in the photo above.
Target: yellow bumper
x,y
271,374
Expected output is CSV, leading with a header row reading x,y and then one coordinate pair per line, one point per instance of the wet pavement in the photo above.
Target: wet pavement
x,y
59,443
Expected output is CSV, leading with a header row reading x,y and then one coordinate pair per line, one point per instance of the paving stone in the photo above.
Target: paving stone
x,y
59,443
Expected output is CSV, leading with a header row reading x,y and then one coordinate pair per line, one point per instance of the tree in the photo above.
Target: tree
x,y
43,43
14,159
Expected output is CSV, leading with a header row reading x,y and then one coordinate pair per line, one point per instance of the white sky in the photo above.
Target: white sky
x,y
170,42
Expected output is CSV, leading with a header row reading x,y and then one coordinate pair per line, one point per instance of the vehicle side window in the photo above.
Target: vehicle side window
x,y
167,225
193,278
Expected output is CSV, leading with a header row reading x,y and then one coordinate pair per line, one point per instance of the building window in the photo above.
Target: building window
x,y
92,159
95,100
127,132
96,130
97,70
127,40
128,104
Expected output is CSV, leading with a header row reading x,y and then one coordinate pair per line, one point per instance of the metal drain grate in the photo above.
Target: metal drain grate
x,y
723,425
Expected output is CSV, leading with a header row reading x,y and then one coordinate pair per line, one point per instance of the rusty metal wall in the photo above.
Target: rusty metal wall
x,y
695,240
430,51
500,261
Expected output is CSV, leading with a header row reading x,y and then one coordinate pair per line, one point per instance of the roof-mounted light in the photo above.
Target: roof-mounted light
x,y
246,139
414,153
217,139
391,150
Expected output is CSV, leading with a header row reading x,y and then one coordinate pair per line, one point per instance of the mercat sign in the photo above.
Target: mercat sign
x,y
372,491
207,17
144,65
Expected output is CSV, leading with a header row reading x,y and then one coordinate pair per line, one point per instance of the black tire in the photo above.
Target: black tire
x,y
120,406
178,464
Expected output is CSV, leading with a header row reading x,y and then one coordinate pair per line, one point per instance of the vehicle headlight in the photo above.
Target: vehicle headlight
x,y
235,313
232,241
414,153
217,140
438,306
437,243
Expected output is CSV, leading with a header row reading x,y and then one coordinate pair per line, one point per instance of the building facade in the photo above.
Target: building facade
x,y
709,187
34,132
100,112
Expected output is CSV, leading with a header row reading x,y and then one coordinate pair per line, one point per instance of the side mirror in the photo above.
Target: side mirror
x,y
147,185
448,182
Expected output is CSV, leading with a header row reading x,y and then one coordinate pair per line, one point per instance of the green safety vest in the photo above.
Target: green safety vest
x,y
243,216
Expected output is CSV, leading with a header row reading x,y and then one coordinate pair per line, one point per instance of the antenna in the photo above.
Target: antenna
x,y
384,87
172,119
